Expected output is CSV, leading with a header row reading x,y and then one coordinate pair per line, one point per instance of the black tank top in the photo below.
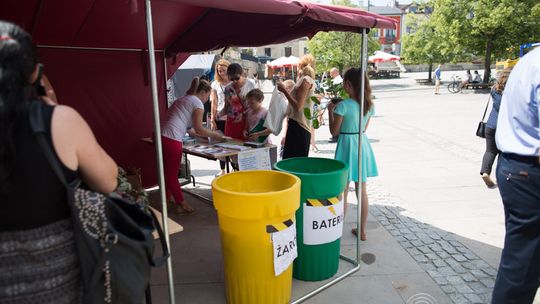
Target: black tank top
x,y
35,196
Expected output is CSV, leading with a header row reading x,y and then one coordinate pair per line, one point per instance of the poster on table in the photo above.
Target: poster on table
x,y
256,159
323,220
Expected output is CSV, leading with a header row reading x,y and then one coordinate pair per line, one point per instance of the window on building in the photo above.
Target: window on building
x,y
306,51
268,52
288,51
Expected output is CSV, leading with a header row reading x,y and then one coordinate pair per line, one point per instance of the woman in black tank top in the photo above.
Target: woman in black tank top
x,y
36,238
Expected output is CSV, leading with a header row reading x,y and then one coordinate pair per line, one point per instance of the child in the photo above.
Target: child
x,y
255,116
345,124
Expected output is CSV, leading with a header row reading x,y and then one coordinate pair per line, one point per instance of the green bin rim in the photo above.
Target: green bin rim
x,y
228,175
292,159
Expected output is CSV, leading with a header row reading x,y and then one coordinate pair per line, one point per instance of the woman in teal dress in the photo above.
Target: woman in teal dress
x,y
345,124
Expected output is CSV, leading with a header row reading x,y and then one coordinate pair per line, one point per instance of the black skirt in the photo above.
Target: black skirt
x,y
297,140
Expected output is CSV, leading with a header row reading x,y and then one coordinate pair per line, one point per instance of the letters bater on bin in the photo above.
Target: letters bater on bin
x,y
256,215
320,216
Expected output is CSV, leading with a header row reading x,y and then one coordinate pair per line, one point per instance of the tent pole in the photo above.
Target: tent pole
x,y
159,155
354,262
359,197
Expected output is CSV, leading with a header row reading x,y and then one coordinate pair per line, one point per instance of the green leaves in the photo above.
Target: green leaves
x,y
307,113
463,30
340,49
466,27
315,100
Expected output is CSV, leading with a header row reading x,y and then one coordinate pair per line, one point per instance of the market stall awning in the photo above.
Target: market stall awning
x,y
381,56
95,54
283,62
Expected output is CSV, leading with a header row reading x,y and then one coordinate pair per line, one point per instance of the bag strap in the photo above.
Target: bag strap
x,y
38,128
487,104
158,261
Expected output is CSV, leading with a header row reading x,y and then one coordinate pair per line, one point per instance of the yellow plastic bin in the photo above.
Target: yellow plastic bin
x,y
255,213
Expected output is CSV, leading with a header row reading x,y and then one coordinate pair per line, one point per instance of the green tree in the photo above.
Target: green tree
x,y
339,49
488,28
422,45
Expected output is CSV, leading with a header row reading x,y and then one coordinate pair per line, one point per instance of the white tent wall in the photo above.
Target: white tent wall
x,y
194,66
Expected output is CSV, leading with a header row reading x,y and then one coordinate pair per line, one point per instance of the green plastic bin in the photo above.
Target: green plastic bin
x,y
319,220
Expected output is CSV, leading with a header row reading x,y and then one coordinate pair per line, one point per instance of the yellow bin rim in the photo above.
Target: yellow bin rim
x,y
276,193
295,181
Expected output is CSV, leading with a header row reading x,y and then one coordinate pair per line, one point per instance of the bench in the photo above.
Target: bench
x,y
424,81
384,74
478,86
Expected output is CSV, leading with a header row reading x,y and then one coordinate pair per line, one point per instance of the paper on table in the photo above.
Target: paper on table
x,y
256,159
232,146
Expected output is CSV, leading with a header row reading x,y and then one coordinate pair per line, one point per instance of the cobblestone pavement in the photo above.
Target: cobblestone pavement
x,y
460,273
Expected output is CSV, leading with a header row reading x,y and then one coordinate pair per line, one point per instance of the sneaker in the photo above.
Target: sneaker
x,y
488,181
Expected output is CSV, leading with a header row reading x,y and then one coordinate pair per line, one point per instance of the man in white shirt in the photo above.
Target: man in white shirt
x,y
336,76
518,176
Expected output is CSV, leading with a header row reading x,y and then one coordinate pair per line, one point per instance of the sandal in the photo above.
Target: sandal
x,y
183,209
362,236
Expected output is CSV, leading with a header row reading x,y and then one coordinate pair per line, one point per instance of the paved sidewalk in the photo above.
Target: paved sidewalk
x,y
434,232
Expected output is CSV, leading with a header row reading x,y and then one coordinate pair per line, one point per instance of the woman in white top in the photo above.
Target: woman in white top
x,y
298,136
185,113
217,99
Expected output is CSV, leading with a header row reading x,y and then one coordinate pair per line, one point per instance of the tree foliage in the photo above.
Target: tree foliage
x,y
422,45
339,49
465,29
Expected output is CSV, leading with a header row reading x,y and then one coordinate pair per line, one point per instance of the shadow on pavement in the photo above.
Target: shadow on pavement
x,y
401,258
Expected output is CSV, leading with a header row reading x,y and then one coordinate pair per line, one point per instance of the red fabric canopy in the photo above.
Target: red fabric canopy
x,y
94,52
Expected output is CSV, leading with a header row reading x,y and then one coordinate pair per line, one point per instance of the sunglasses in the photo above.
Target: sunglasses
x,y
234,78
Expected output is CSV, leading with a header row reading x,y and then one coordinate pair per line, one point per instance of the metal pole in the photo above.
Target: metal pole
x,y
159,155
356,263
359,197
85,48
325,286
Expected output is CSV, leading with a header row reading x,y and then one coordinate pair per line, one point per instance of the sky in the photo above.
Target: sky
x,y
371,2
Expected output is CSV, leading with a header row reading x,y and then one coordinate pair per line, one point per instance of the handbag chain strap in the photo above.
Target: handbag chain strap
x,y
487,104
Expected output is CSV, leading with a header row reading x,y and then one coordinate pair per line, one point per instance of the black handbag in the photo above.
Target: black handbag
x,y
481,129
113,236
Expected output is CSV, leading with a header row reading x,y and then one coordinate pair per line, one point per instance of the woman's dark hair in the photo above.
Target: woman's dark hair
x,y
18,59
235,69
353,77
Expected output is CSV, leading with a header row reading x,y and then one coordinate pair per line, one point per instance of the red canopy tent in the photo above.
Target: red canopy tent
x,y
96,52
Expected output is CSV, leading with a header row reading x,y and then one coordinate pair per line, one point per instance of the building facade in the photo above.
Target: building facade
x,y
390,39
297,47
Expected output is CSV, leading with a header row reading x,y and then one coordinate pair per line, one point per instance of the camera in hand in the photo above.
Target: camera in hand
x,y
41,90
